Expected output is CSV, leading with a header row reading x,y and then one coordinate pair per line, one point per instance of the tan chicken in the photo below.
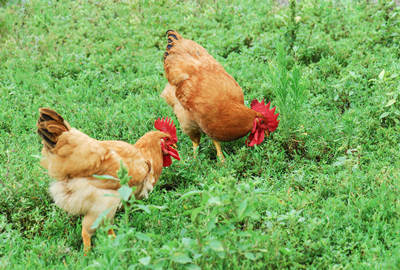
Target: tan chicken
x,y
206,99
72,158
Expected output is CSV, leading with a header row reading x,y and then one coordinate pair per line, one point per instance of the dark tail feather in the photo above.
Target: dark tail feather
x,y
173,36
50,126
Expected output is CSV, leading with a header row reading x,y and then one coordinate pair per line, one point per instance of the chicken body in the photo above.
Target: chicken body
x,y
205,98
72,158
77,155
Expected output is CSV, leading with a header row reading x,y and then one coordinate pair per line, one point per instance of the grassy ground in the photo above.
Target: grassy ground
x,y
323,192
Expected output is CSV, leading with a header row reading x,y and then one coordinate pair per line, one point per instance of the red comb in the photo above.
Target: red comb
x,y
166,125
269,114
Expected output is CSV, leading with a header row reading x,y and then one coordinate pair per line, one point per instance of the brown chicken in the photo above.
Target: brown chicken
x,y
206,99
72,158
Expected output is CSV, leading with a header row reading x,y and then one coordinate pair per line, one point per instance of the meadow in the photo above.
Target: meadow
x,y
321,193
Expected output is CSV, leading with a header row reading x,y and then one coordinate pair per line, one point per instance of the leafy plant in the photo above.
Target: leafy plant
x,y
292,26
290,91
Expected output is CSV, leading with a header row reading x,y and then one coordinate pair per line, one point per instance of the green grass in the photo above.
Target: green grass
x,y
321,193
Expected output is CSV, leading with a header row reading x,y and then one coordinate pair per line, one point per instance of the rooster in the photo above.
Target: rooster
x,y
206,99
73,158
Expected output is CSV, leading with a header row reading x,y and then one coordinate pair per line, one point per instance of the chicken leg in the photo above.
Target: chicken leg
x,y
195,147
87,232
219,151
195,138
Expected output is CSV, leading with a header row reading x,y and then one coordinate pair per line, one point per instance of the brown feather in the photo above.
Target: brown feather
x,y
50,126
69,153
205,98
73,158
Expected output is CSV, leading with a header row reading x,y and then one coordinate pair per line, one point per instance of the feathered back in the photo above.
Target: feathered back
x,y
50,126
183,57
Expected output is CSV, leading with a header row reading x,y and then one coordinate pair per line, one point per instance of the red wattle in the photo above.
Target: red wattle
x,y
167,161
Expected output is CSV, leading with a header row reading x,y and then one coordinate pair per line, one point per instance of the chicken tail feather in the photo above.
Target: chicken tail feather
x,y
173,37
50,126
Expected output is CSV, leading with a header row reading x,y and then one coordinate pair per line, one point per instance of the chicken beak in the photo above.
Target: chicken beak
x,y
266,133
174,146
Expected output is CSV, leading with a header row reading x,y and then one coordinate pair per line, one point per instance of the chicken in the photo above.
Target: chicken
x,y
72,158
206,99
